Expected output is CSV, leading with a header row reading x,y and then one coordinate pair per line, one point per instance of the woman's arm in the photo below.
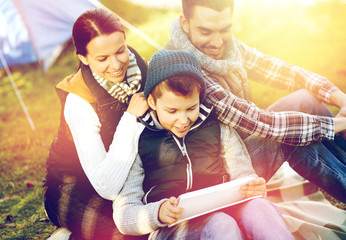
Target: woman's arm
x,y
106,171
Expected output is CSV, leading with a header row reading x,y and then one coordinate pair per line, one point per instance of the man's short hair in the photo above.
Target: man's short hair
x,y
217,5
180,85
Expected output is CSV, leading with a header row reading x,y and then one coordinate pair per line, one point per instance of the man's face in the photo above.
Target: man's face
x,y
176,113
209,30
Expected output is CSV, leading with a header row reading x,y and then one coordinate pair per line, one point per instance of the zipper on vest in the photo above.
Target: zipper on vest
x,y
145,198
189,174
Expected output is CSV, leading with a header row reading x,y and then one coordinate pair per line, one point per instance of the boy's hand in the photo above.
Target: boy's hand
x,y
253,188
138,105
169,212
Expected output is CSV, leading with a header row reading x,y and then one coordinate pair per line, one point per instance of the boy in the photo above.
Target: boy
x,y
181,150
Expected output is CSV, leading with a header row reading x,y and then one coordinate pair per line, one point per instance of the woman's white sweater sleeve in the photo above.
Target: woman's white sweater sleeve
x,y
106,171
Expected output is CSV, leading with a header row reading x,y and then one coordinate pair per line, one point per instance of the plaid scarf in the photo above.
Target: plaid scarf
x,y
129,86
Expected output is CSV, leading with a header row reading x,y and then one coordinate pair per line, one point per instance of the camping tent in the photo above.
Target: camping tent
x,y
35,31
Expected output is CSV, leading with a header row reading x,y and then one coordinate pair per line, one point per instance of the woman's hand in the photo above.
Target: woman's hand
x,y
169,212
138,105
253,188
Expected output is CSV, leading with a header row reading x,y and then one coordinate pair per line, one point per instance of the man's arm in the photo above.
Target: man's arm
x,y
292,128
277,73
280,74
338,99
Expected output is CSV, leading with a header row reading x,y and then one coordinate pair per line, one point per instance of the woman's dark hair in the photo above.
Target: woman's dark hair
x,y
93,23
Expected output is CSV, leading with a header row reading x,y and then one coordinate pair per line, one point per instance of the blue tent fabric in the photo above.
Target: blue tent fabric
x,y
14,38
32,30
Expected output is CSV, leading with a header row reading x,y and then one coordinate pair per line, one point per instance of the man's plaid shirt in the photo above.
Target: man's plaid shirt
x,y
288,127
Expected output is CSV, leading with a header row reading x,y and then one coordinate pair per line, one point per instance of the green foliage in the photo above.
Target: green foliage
x,y
23,151
309,37
313,38
153,23
159,33
23,216
134,14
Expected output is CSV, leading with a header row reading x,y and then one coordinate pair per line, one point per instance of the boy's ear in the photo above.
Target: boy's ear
x,y
184,23
151,102
83,59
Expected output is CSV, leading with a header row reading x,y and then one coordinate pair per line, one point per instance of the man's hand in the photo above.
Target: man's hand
x,y
342,113
256,187
169,212
338,99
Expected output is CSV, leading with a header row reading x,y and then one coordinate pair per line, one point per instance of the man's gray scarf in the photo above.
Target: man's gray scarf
x,y
123,90
230,68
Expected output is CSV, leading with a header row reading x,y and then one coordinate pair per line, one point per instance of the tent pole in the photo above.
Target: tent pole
x,y
18,5
9,74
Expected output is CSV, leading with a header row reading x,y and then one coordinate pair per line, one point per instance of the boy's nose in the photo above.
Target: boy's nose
x,y
183,119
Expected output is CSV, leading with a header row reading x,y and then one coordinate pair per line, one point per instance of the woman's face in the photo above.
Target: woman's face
x,y
108,56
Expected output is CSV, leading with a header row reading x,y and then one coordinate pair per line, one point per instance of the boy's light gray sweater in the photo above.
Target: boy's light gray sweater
x,y
132,217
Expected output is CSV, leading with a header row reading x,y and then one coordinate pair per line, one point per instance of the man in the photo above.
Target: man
x,y
205,30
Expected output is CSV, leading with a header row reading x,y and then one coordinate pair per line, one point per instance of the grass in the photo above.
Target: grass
x,y
23,154
23,151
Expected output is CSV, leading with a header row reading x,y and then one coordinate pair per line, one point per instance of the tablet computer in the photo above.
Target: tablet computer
x,y
211,199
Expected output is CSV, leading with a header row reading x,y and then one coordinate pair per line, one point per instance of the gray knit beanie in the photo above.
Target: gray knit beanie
x,y
168,63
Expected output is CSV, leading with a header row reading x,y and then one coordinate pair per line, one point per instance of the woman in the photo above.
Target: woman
x,y
99,103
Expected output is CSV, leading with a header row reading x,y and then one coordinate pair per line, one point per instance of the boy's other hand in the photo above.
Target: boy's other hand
x,y
256,187
138,105
169,212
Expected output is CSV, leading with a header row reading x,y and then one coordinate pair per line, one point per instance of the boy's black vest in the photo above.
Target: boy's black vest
x,y
63,161
169,173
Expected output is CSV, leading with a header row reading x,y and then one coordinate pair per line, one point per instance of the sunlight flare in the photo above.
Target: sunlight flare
x,y
307,3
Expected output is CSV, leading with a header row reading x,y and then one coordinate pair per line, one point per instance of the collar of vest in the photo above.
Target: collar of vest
x,y
75,84
150,121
